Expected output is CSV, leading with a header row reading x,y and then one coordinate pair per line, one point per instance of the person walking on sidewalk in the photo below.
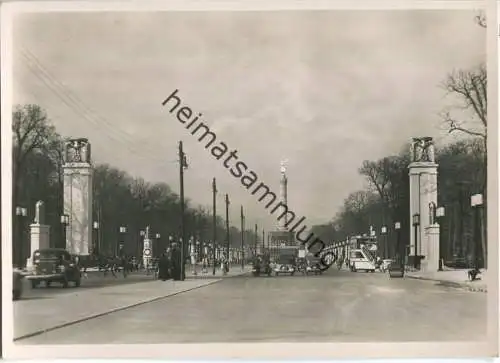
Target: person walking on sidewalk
x,y
164,267
176,262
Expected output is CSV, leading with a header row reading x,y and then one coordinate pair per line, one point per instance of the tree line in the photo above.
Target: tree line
x,y
118,198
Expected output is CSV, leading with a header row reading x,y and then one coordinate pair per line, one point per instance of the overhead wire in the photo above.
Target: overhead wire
x,y
74,103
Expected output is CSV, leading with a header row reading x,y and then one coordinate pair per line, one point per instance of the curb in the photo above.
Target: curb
x,y
457,285
121,308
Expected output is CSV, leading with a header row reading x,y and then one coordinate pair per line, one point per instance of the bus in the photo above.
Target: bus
x,y
369,243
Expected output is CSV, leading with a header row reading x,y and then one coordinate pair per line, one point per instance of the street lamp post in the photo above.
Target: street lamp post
x,y
121,244
21,213
440,213
64,224
158,236
96,249
416,223
383,232
214,221
140,243
397,227
476,201
227,230
182,166
242,220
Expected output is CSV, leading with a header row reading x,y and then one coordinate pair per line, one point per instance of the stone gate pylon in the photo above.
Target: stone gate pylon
x,y
78,196
423,172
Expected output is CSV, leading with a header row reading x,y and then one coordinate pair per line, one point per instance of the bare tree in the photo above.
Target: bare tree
x,y
471,87
32,132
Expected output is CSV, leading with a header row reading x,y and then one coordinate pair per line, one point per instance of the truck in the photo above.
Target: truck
x,y
286,257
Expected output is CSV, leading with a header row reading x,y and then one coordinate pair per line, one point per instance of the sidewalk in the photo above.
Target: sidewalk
x,y
37,315
453,278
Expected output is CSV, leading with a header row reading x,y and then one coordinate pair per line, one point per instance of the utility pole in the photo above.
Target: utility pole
x,y
214,222
227,229
242,219
263,240
182,165
256,234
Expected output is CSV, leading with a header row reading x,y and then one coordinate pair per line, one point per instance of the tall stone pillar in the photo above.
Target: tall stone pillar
x,y
78,196
283,222
423,196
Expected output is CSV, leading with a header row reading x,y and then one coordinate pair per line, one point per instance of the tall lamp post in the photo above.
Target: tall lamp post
x,y
64,224
476,201
182,166
416,223
121,244
140,243
21,213
440,212
96,249
242,220
227,230
214,221
383,232
158,236
256,234
399,249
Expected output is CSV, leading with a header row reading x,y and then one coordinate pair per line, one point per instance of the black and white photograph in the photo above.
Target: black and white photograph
x,y
222,175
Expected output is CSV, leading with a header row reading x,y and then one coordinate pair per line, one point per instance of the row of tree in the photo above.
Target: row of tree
x,y
387,201
119,199
462,173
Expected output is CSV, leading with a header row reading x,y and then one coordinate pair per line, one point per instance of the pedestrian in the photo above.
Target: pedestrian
x,y
176,262
164,267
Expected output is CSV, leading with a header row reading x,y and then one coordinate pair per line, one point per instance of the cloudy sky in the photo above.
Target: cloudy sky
x,y
324,90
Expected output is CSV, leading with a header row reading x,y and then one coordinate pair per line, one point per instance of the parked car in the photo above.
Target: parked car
x,y
396,269
261,267
54,265
17,284
313,266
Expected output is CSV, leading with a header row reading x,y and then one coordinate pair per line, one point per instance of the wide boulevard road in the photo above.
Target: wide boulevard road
x,y
338,306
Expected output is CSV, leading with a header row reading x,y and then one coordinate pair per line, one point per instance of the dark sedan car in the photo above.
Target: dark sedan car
x,y
54,265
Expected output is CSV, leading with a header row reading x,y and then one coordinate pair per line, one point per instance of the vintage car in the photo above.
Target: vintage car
x,y
285,265
261,267
396,269
54,265
313,266
17,284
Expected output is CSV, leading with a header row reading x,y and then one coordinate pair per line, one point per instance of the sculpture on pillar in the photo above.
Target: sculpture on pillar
x,y
77,151
40,212
422,149
432,213
283,166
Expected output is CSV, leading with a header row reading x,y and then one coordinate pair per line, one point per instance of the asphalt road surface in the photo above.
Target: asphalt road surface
x,y
338,306
94,280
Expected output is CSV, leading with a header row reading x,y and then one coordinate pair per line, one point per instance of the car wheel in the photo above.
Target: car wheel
x,y
16,294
